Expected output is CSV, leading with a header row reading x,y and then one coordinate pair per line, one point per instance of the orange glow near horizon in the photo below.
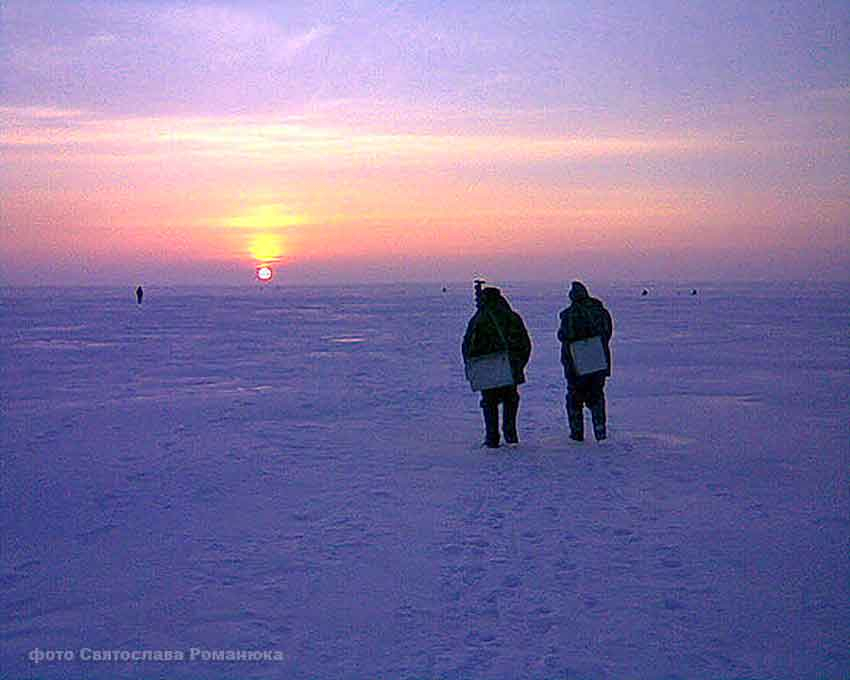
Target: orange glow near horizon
x,y
264,217
266,248
264,224
320,193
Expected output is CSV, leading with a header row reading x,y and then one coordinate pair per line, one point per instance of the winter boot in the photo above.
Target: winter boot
x,y
510,409
491,425
597,412
575,418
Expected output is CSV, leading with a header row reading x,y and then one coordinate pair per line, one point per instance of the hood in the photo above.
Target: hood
x,y
492,299
578,291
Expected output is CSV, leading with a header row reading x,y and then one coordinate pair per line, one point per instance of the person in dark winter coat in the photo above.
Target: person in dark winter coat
x,y
483,337
139,295
586,317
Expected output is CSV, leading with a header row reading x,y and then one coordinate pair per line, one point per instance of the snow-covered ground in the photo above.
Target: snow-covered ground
x,y
296,471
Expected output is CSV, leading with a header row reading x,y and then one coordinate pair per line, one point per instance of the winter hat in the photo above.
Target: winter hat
x,y
578,291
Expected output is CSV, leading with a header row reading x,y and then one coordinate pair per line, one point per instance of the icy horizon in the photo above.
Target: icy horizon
x,y
664,285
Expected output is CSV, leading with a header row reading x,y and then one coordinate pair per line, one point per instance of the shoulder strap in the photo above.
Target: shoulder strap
x,y
498,328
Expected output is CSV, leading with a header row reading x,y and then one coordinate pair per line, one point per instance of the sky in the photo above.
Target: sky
x,y
339,141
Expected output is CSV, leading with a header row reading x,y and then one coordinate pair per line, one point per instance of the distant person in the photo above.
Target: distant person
x,y
139,295
585,318
493,328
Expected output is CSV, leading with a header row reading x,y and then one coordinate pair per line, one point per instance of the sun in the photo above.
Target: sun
x,y
264,273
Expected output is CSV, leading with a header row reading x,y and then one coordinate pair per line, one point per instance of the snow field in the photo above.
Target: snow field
x,y
299,470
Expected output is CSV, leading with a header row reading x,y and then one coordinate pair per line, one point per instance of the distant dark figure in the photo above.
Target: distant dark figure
x,y
139,295
586,317
496,327
694,291
445,289
644,293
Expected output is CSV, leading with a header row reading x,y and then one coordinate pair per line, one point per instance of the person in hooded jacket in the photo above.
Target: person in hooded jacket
x,y
586,317
483,337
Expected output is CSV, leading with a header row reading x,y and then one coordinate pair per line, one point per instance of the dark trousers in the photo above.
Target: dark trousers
x,y
490,400
588,390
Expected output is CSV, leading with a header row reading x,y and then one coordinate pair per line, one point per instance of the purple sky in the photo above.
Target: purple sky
x,y
344,141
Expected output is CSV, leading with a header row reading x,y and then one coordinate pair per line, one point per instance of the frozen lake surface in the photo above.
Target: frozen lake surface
x,y
297,470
